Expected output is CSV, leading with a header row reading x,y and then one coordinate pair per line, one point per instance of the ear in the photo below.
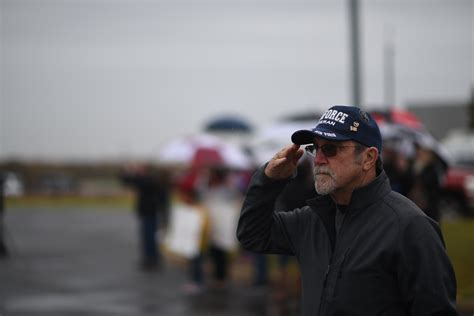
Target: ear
x,y
370,158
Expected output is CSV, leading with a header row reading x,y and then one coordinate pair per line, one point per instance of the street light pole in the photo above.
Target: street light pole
x,y
389,70
355,52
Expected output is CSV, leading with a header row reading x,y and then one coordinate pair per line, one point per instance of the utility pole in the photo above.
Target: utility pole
x,y
355,52
471,110
389,69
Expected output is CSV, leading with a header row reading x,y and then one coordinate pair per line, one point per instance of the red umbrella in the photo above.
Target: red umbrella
x,y
398,116
205,157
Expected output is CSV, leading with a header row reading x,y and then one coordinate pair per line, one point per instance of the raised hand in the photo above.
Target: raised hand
x,y
284,163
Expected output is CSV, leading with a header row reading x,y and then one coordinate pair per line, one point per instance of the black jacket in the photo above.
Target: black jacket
x,y
152,196
388,259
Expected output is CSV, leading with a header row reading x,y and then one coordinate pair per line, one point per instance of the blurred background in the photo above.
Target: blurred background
x,y
125,125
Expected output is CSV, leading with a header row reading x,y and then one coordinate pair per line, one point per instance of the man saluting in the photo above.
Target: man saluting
x,y
362,248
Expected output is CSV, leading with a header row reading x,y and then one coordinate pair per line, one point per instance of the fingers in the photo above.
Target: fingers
x,y
287,152
284,163
299,153
292,153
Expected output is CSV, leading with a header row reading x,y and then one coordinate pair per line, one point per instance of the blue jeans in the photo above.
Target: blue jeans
x,y
148,228
196,270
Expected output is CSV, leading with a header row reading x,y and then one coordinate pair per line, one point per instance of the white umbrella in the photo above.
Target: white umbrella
x,y
273,138
406,138
203,148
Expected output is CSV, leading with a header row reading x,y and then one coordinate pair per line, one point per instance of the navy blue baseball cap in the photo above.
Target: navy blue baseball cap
x,y
343,123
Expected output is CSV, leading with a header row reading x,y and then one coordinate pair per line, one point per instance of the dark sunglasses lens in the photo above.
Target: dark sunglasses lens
x,y
329,150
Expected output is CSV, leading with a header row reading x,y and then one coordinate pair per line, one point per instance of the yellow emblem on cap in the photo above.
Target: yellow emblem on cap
x,y
354,126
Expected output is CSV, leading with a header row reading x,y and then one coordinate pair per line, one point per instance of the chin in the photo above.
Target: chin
x,y
323,190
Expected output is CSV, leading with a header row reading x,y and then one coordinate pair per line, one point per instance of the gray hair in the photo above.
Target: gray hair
x,y
359,148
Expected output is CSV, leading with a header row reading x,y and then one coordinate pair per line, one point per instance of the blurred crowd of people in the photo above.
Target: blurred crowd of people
x,y
193,214
418,175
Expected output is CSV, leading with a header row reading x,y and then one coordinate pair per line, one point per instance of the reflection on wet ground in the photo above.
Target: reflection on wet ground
x,y
83,262
67,262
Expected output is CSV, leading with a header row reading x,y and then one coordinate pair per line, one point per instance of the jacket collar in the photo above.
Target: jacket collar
x,y
372,192
361,197
325,207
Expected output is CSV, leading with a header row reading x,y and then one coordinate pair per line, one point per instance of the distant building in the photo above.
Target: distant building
x,y
442,117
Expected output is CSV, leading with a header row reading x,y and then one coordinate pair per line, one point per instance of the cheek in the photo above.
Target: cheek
x,y
346,172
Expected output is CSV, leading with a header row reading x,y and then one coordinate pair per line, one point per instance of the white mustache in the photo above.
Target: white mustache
x,y
323,170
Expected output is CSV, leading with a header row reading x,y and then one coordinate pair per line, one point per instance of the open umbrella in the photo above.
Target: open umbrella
x,y
230,124
271,139
203,150
406,138
427,140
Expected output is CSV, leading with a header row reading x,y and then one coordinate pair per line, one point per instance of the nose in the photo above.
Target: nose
x,y
320,158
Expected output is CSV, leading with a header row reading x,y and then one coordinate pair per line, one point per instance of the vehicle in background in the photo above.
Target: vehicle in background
x,y
458,185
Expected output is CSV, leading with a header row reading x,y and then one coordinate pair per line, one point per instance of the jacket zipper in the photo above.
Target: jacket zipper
x,y
328,270
323,296
341,266
339,273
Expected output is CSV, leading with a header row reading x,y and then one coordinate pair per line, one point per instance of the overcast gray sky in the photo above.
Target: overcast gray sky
x,y
99,79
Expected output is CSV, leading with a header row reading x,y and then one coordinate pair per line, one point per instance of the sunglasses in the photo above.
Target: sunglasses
x,y
329,150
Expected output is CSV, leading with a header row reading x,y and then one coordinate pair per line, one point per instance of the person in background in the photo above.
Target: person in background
x,y
427,174
222,201
397,166
363,249
188,198
152,204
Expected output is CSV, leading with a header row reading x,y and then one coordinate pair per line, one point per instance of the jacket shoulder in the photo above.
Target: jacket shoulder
x,y
399,206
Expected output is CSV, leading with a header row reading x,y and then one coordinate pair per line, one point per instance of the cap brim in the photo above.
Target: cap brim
x,y
303,137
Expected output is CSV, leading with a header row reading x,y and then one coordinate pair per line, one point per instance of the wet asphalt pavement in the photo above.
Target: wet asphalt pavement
x,y
84,262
